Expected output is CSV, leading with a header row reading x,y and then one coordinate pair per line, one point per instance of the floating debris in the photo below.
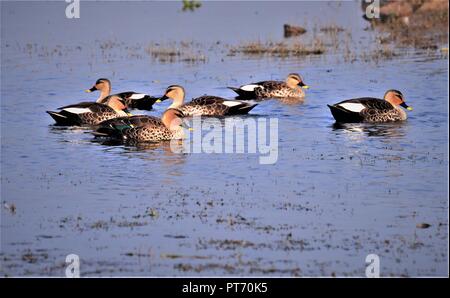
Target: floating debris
x,y
291,30
153,213
423,225
10,207
191,5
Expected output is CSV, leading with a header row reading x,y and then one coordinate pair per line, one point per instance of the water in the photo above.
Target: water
x,y
335,195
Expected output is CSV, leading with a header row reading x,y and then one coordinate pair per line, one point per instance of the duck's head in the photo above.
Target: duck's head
x,y
174,92
294,79
118,105
173,120
101,84
396,98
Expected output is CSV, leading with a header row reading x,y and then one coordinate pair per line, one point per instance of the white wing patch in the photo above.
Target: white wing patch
x,y
250,87
232,103
77,110
353,107
137,95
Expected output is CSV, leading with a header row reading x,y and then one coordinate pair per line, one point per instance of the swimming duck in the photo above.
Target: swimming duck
x,y
369,109
89,113
291,88
205,105
132,100
142,128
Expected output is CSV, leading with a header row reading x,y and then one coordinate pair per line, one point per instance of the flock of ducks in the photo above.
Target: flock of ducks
x,y
110,117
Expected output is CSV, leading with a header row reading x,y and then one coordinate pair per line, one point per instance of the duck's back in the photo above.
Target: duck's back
x,y
277,89
205,105
149,132
90,113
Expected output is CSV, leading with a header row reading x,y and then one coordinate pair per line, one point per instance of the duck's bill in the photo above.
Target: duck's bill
x,y
162,98
185,126
90,90
303,85
404,105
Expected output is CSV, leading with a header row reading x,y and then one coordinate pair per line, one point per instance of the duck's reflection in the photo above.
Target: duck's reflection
x,y
391,130
168,156
291,100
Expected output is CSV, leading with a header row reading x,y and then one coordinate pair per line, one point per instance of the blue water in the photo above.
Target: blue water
x,y
335,194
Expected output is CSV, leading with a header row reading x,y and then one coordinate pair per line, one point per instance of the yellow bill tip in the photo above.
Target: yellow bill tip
x,y
305,87
409,108
158,100
191,129
87,91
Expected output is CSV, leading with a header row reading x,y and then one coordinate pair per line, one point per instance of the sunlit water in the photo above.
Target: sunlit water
x,y
335,194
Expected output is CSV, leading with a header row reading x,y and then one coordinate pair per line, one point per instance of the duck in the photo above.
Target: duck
x,y
291,88
133,100
206,105
143,128
89,113
368,109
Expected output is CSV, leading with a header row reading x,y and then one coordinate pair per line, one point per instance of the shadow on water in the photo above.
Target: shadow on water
x,y
394,130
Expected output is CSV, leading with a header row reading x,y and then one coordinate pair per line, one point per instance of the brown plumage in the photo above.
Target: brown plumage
x,y
133,100
369,109
89,113
141,128
291,88
206,105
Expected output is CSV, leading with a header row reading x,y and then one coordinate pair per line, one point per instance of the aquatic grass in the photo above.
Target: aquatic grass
x,y
426,25
280,49
332,29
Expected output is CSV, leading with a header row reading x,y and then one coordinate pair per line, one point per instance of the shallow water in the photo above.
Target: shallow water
x,y
335,194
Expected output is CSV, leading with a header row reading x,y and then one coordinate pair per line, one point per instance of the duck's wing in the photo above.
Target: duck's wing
x,y
358,105
270,84
86,107
207,100
81,113
218,106
132,121
359,109
139,101
117,127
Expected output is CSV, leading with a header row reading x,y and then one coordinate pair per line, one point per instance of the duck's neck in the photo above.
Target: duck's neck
x,y
123,113
401,112
177,102
103,94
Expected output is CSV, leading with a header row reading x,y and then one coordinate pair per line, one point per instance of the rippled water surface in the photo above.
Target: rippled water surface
x,y
335,194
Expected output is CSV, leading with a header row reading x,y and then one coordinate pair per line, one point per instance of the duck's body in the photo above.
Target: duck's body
x,y
88,113
133,100
206,105
142,128
215,106
368,109
291,88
